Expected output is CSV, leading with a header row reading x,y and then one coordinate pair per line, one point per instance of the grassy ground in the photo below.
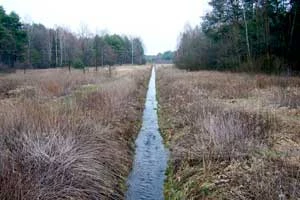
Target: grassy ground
x,y
69,135
231,136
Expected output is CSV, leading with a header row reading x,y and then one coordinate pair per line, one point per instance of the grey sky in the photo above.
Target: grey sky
x,y
157,22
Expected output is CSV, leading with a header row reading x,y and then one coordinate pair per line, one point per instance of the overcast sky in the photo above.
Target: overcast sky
x,y
157,22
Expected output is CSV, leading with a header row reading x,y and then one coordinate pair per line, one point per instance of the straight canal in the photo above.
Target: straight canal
x,y
146,179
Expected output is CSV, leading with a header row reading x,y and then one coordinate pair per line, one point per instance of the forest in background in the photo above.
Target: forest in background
x,y
166,57
244,35
35,46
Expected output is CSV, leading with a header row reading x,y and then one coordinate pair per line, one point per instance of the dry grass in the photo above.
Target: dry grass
x,y
69,136
232,136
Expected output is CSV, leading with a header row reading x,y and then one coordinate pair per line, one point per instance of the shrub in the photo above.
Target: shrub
x,y
78,64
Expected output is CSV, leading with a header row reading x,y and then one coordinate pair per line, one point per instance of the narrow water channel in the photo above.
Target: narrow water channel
x,y
147,176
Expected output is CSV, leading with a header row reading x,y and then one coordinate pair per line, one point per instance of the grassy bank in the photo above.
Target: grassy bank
x,y
69,135
231,136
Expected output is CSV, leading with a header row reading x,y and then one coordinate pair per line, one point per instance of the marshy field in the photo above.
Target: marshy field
x,y
231,135
198,100
69,135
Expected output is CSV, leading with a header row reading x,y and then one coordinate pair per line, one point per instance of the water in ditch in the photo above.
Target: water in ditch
x,y
146,179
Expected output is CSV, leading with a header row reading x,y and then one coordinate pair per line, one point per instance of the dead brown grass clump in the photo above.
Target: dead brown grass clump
x,y
225,132
286,97
73,147
6,86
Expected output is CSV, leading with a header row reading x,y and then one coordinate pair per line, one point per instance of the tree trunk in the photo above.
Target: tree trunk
x,y
109,70
50,48
102,57
56,48
247,35
96,55
267,33
61,49
96,65
293,27
29,48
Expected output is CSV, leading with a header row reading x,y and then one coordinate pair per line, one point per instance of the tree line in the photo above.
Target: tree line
x,y
161,58
12,38
244,35
35,46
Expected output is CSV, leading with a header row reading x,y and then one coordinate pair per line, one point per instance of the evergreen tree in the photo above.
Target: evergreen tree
x,y
256,35
12,38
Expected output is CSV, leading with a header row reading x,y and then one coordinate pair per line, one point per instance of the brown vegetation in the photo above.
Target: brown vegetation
x,y
68,135
231,136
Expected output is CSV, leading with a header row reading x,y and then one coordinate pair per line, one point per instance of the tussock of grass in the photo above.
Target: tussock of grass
x,y
223,130
72,147
6,86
